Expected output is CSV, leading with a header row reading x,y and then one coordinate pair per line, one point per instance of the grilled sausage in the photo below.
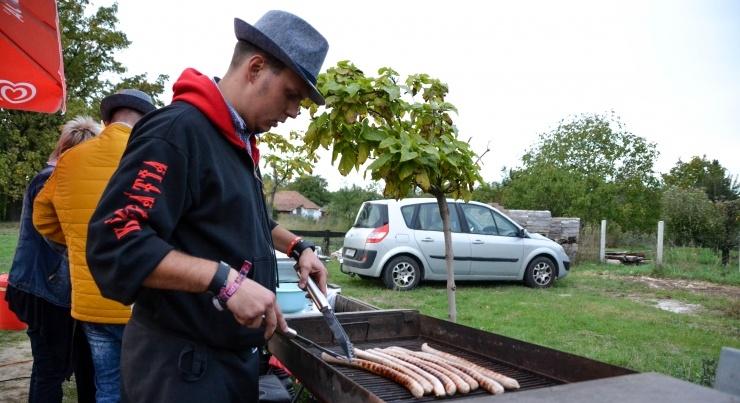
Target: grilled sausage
x,y
448,383
505,381
462,386
444,363
437,387
404,380
488,384
366,355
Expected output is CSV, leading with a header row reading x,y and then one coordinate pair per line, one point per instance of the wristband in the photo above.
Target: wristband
x,y
219,278
299,247
228,290
292,245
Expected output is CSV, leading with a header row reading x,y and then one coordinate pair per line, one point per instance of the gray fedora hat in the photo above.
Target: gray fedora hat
x,y
126,98
291,40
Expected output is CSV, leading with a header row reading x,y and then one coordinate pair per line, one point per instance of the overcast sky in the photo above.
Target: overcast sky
x,y
669,69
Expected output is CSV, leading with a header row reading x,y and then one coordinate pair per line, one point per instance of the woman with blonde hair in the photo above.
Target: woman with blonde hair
x,y
39,291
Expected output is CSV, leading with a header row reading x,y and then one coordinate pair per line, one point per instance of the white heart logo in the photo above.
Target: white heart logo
x,y
16,93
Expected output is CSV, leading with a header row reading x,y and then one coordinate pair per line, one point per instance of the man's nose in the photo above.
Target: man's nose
x,y
294,109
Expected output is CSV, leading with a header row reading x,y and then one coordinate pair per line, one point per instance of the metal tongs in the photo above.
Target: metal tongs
x,y
322,304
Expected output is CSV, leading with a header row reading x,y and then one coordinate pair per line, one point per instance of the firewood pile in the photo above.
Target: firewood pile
x,y
563,230
635,258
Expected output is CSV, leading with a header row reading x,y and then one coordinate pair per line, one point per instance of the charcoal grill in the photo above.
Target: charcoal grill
x,y
531,365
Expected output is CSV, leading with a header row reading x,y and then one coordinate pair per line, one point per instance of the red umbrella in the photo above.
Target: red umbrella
x,y
31,66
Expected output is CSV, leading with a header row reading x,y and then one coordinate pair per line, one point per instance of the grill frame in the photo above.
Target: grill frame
x,y
532,365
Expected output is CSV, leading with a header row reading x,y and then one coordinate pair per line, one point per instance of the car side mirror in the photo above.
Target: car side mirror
x,y
522,233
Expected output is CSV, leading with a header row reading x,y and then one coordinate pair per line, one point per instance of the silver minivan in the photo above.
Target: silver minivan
x,y
401,242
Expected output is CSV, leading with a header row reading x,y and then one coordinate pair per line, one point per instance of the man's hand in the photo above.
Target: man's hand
x,y
255,306
311,265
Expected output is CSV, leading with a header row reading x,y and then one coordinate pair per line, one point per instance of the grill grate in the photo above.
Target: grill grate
x,y
390,391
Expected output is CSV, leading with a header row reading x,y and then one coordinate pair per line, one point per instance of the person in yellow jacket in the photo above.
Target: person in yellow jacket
x,y
61,212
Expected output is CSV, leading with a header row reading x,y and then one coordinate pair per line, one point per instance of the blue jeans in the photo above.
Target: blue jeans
x,y
105,346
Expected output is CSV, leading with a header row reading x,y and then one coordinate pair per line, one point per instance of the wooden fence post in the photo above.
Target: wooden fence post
x,y
659,252
327,252
602,243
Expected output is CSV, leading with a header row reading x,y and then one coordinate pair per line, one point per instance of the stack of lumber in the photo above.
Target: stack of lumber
x,y
565,229
538,221
635,258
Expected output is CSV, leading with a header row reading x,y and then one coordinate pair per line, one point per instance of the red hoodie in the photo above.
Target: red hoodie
x,y
201,92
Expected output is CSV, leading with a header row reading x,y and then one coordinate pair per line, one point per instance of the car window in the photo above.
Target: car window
x,y
430,219
372,215
408,214
479,219
505,227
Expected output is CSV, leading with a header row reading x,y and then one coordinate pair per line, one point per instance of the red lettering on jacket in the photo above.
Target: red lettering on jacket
x,y
158,166
128,219
139,184
145,174
146,201
130,226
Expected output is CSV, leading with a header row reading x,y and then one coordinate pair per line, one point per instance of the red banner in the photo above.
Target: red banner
x,y
31,64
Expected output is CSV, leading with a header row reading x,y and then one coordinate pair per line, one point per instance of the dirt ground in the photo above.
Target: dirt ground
x,y
15,371
699,287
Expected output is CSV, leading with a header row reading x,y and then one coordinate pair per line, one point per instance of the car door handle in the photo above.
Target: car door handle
x,y
478,242
427,240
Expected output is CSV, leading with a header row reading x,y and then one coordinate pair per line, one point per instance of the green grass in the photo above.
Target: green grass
x,y
606,318
8,241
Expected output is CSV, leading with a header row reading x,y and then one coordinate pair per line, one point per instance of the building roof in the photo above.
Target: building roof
x,y
289,200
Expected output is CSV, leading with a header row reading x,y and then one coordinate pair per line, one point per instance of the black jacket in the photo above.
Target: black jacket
x,y
185,182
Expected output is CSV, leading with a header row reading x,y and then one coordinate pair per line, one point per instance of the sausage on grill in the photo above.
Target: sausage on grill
x,y
488,384
462,386
367,355
437,387
448,383
505,381
404,380
444,363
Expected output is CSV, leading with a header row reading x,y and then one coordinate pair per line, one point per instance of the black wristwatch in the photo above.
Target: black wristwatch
x,y
300,247
219,279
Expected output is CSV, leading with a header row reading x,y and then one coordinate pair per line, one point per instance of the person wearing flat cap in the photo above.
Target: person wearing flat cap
x,y
183,232
61,212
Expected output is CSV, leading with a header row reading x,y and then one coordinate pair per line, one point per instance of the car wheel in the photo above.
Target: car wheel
x,y
540,272
402,273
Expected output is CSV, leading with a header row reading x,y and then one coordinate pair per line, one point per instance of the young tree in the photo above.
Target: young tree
x,y
288,158
592,168
690,216
407,132
89,42
729,227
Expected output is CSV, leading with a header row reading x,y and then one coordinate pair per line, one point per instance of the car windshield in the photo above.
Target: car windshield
x,y
372,215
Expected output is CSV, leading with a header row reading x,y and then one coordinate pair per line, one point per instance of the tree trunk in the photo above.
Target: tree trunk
x,y
272,200
444,211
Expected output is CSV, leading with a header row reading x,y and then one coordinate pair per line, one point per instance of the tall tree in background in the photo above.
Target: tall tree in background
x,y
287,159
314,187
488,192
89,42
703,174
590,167
406,130
346,202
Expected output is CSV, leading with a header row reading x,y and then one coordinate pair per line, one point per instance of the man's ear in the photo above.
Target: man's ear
x,y
255,65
